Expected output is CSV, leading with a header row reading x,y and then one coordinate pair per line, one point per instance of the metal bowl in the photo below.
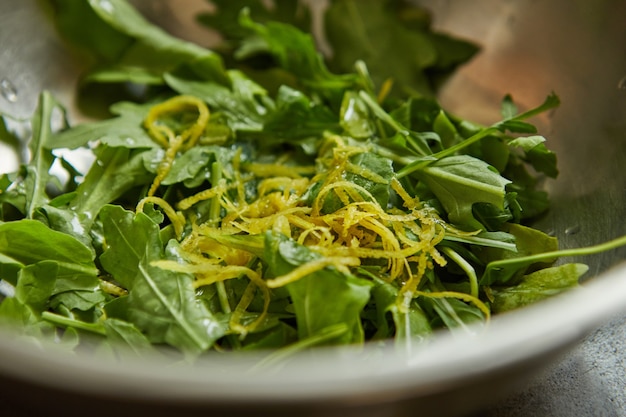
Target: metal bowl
x,y
530,48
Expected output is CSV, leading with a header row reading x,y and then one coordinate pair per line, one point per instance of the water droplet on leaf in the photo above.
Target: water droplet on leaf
x,y
8,90
106,6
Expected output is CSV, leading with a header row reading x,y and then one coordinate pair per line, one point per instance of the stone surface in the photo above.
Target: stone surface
x,y
590,381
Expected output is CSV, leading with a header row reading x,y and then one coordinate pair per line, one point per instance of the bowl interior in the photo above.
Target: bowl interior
x,y
529,49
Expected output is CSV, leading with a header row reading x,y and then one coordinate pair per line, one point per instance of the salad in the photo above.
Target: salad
x,y
262,196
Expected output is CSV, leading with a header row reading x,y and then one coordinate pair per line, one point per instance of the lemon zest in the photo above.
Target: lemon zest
x,y
460,296
176,218
171,142
310,267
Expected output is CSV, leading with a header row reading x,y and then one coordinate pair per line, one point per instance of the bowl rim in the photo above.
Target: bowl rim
x,y
443,361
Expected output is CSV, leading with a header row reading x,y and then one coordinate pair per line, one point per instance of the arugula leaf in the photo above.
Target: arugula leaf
x,y
126,47
540,157
196,162
528,242
160,303
38,170
225,18
23,320
114,172
77,299
123,131
296,117
459,182
409,323
295,52
123,334
537,286
243,113
453,313
321,299
35,285
66,221
18,238
394,45
354,116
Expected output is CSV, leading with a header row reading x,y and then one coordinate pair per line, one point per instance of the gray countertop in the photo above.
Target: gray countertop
x,y
589,381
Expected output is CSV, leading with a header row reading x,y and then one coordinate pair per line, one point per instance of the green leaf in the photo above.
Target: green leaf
x,y
529,242
537,286
459,182
193,162
297,117
129,240
552,101
225,18
63,220
453,313
408,324
354,116
374,174
279,336
125,130
127,47
124,335
9,269
447,132
392,44
78,299
508,108
540,157
38,170
324,298
295,52
74,259
243,112
22,319
114,172
160,303
36,283
517,126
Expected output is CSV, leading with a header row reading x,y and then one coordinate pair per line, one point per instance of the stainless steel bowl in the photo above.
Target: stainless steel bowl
x,y
530,48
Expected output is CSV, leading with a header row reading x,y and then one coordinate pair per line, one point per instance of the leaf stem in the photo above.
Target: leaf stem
x,y
465,266
546,256
423,163
324,335
69,322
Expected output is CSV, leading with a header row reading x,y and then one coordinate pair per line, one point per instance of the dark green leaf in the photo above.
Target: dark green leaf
x,y
459,182
322,299
126,130
129,48
114,172
36,283
374,31
295,52
160,303
38,170
540,157
528,241
124,335
17,240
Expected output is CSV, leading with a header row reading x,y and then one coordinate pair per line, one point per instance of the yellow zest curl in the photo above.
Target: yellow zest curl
x,y
169,140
